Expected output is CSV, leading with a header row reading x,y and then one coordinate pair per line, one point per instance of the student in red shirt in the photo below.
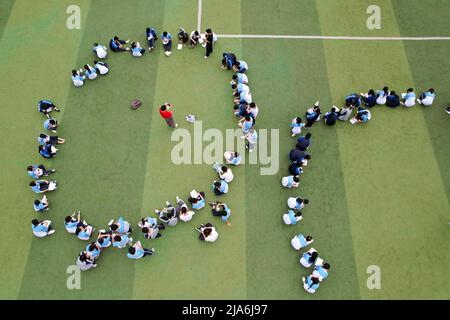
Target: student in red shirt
x,y
166,111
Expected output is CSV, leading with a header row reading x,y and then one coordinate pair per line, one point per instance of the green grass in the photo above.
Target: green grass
x,y
379,192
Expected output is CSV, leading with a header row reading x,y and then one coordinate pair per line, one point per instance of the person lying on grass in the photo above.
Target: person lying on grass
x,y
42,186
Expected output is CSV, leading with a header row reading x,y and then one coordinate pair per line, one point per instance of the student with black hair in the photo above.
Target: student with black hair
x,y
136,251
78,78
121,240
232,157
220,187
221,209
41,205
310,284
90,72
312,115
209,38
120,226
44,139
353,101
94,249
101,67
38,171
309,258
166,112
409,98
72,222
104,238
369,98
42,186
300,241
197,199
427,98
150,227
136,49
344,113
321,271
152,36
84,230
304,142
392,100
166,39
85,261
297,203
47,150
41,228
295,168
240,66
183,37
100,51
47,106
296,155
238,78
168,215
224,172
51,125
229,59
208,232
292,181
292,217
331,117
194,39
117,45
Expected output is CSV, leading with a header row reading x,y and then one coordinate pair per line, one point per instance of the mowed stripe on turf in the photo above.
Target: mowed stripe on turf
x,y
390,172
287,77
184,267
29,80
102,162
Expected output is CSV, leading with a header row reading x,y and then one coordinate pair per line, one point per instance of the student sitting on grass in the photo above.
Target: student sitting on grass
x,y
137,50
136,251
36,172
392,100
253,110
369,98
101,67
41,205
246,124
304,142
84,231
291,217
321,271
300,241
100,51
309,258
244,97
168,215
183,211
353,101
182,36
51,125
117,45
239,78
232,157
72,222
104,238
295,168
85,261
296,155
42,186
220,209
121,241
152,36
220,187
228,61
408,98
240,88
150,227
297,203
427,98
120,226
166,39
47,106
197,199
194,39
78,78
44,139
42,228
208,232
382,95
94,249
240,66
224,172
331,117
90,72
297,125
362,116
290,182
345,113
47,151
310,284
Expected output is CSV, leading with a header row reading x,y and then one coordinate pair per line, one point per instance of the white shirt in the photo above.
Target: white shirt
x,y
428,101
78,82
212,236
101,52
227,176
102,69
185,217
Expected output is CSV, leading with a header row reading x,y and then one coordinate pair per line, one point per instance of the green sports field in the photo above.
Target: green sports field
x,y
379,193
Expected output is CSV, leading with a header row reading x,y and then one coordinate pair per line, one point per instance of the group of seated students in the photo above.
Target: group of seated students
x,y
47,150
102,68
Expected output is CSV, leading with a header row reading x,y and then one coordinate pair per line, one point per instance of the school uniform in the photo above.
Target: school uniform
x,y
309,285
39,207
78,80
85,234
312,116
230,59
231,159
138,254
45,106
409,99
137,51
295,170
151,37
48,126
91,74
106,242
303,143
222,189
123,243
242,78
40,230
102,68
37,172
167,42
392,101
320,272
299,241
290,218
242,88
243,67
353,99
100,51
381,97
305,260
288,182
370,100
71,226
330,118
296,155
427,98
344,114
94,253
296,127
212,237
115,45
252,140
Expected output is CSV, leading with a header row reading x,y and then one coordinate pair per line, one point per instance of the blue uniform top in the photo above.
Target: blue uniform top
x,y
228,211
410,95
310,283
44,152
292,217
223,186
321,270
83,235
95,253
43,104
429,94
40,207
33,173
168,38
37,188
39,228
71,225
241,78
302,240
139,253
122,243
243,66
113,43
199,204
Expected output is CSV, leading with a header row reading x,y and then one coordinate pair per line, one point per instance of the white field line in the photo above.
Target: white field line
x,y
199,16
308,37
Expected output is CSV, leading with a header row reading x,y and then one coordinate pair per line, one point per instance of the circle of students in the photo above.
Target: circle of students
x,y
118,232
299,159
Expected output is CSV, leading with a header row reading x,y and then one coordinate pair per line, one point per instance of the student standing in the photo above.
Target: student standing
x,y
166,111
209,42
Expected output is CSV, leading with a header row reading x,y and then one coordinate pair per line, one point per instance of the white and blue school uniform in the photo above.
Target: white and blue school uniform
x,y
288,181
43,105
320,272
84,234
78,80
247,125
223,186
364,115
42,141
123,243
100,51
136,51
37,187
138,253
39,207
381,97
304,260
47,125
40,230
102,68
124,226
294,204
242,78
242,88
309,286
228,211
252,138
410,99
428,98
236,160
199,204
71,226
91,73
299,241
296,127
312,115
151,37
167,42
106,242
243,67
290,218
36,173
245,97
94,253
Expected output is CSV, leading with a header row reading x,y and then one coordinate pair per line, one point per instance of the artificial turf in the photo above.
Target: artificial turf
x,y
379,192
